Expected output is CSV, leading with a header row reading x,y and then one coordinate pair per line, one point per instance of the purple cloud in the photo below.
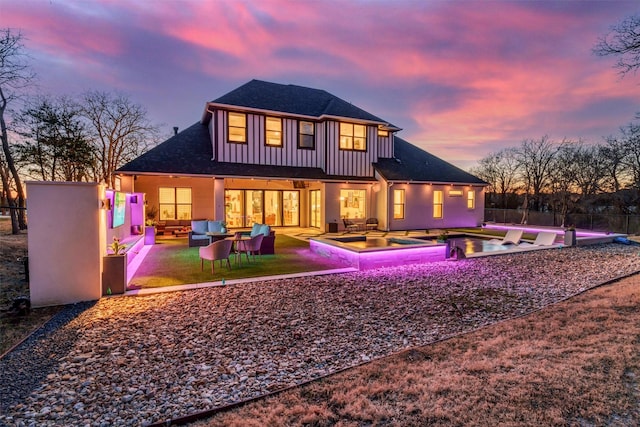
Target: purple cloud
x,y
461,78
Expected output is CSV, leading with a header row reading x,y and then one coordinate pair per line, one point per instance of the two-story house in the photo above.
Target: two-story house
x,y
289,155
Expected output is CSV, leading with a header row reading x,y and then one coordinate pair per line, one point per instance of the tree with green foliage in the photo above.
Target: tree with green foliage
x,y
55,145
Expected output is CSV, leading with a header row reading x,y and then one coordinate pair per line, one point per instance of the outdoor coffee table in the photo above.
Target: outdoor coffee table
x,y
214,236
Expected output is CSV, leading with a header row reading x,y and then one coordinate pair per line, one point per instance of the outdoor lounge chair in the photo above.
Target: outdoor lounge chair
x,y
220,250
512,237
544,238
371,224
349,225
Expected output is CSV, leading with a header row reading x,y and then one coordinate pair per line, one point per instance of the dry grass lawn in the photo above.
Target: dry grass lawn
x,y
575,363
12,284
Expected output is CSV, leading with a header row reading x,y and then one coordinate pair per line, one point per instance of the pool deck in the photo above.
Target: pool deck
x,y
413,256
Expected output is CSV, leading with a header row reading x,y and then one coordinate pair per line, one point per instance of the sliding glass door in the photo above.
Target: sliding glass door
x,y
291,208
275,208
315,207
272,208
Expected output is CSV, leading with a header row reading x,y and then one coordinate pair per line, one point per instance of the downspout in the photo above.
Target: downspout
x,y
389,206
215,134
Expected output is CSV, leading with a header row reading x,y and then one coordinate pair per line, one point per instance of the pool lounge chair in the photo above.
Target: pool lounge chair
x,y
512,237
544,238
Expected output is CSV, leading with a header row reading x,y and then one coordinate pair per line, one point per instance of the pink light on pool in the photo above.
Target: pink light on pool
x,y
387,257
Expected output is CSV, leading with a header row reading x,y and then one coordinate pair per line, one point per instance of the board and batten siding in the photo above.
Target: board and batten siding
x,y
350,162
255,151
212,127
385,146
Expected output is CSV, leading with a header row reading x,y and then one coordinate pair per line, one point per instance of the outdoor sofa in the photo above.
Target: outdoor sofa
x,y
199,228
267,247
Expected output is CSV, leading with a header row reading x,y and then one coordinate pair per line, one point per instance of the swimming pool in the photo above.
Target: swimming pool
x,y
365,253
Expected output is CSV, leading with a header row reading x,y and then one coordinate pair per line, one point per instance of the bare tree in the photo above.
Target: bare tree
x,y
500,170
119,129
612,155
563,177
14,75
623,41
590,170
631,141
534,161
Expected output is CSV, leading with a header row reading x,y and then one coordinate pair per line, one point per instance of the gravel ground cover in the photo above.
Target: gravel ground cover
x,y
138,360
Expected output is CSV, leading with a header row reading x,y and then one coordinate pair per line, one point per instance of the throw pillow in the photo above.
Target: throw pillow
x,y
215,226
255,229
199,227
265,229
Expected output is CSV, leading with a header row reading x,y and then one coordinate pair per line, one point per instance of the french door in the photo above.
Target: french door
x,y
272,207
315,206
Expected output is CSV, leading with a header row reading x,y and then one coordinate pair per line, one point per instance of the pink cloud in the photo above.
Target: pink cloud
x,y
472,75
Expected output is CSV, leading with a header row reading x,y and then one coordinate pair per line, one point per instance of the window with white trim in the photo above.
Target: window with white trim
x,y
471,199
438,201
398,204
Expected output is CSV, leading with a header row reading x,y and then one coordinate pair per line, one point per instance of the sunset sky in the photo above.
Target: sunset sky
x,y
461,78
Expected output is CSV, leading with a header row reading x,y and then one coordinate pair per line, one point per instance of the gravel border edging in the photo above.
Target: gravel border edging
x,y
37,345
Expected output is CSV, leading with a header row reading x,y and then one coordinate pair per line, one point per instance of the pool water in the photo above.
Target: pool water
x,y
474,245
376,242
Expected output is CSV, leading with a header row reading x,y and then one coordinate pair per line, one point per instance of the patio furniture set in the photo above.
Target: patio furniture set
x,y
222,245
353,224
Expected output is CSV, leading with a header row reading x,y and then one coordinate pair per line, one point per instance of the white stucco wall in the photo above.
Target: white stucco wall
x,y
419,207
66,241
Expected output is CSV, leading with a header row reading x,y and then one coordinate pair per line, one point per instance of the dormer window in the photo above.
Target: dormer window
x,y
306,135
353,137
273,131
237,127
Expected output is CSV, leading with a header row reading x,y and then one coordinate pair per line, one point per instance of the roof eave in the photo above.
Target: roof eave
x,y
270,178
207,114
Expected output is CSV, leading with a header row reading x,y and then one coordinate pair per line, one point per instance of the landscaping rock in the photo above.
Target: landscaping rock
x,y
139,360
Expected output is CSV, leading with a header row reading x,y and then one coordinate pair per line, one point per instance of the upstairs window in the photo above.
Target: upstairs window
x,y
237,127
383,133
306,135
437,203
273,131
353,137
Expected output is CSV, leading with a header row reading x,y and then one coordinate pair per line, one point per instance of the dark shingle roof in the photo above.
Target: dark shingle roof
x,y
293,99
190,152
414,164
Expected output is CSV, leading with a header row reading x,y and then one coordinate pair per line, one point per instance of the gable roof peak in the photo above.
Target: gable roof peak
x,y
293,99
